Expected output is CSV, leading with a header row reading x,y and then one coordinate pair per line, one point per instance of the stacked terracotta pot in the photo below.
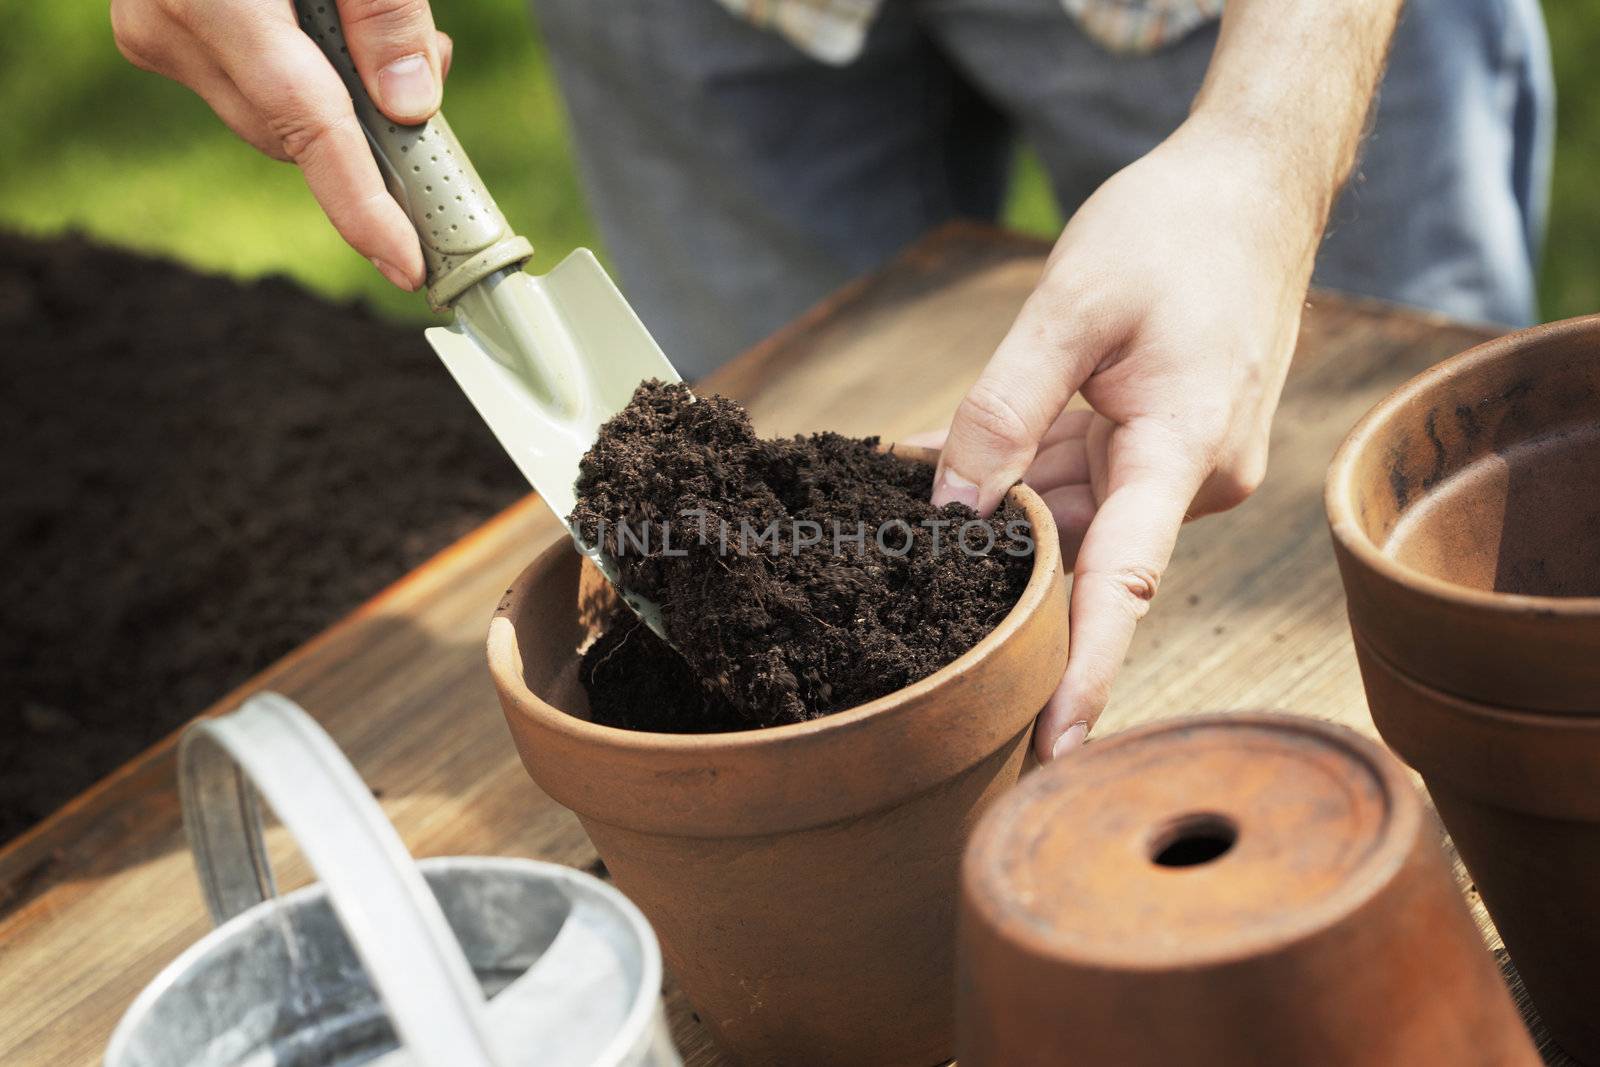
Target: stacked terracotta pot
x,y
802,879
1466,517
1221,892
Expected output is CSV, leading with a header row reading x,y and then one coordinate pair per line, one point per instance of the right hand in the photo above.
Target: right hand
x,y
272,85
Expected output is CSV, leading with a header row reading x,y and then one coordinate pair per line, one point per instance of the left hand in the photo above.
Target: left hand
x,y
1171,302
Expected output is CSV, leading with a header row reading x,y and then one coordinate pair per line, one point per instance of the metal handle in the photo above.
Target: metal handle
x,y
464,236
386,909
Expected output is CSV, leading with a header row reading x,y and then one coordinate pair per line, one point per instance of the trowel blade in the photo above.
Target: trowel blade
x,y
546,359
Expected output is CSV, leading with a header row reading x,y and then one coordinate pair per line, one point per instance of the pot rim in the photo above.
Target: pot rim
x,y
1338,490
1523,760
505,659
1542,718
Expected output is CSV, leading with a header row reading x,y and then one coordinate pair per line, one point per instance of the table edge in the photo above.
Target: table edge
x,y
26,859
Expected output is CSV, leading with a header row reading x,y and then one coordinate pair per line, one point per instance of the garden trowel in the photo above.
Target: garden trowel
x,y
545,359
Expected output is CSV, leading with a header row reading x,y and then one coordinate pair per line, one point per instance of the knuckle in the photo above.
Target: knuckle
x,y
130,30
264,142
989,414
1237,484
130,50
1224,494
302,131
1077,310
1136,586
1234,479
363,15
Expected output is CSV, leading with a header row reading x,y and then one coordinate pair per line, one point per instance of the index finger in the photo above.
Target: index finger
x,y
1151,480
305,104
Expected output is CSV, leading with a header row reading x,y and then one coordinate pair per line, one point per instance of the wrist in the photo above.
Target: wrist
x,y
1286,193
1290,83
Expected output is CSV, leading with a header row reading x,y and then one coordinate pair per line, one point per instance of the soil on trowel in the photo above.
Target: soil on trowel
x,y
797,577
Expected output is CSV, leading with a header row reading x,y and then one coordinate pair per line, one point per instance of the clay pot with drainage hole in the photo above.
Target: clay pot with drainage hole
x,y
1223,890
1465,511
803,879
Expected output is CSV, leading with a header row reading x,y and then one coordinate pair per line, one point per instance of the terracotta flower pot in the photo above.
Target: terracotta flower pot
x,y
1465,511
1520,792
1224,890
803,879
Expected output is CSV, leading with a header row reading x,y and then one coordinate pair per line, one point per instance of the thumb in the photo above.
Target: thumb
x,y
396,51
1043,360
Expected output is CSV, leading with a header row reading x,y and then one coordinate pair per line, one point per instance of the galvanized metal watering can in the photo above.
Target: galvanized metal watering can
x,y
455,962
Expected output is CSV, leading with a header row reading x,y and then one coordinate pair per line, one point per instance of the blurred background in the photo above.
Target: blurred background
x,y
224,428
133,159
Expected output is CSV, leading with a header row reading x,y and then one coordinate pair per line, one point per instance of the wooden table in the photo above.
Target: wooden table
x,y
98,898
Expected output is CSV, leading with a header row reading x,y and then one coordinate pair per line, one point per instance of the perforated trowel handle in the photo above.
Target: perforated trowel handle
x,y
464,236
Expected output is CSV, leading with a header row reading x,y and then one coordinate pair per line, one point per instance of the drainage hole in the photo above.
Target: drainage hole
x,y
1193,840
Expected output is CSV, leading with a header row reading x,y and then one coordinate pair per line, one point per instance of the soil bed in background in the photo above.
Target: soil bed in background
x,y
797,577
199,476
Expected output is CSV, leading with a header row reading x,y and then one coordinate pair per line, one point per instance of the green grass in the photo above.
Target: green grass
x,y
97,146
1570,283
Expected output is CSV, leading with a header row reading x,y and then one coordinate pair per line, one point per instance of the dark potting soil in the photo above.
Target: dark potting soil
x,y
198,476
798,577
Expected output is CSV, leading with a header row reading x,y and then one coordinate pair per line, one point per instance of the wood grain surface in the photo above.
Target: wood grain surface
x,y
97,899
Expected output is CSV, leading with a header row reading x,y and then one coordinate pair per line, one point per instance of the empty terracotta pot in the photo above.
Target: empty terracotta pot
x,y
1466,517
1520,792
1465,511
1223,890
803,879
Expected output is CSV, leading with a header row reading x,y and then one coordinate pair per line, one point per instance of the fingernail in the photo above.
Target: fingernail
x,y
1072,739
407,86
952,488
393,275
